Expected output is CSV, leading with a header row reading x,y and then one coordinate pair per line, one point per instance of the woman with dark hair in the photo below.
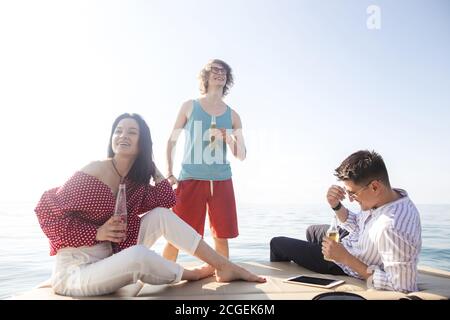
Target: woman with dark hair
x,y
95,252
143,167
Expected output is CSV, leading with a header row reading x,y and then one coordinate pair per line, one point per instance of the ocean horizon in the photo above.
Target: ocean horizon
x,y
25,260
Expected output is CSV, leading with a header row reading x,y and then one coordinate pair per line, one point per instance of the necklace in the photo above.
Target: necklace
x,y
117,171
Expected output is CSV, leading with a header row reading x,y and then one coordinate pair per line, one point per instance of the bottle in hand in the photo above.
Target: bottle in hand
x,y
332,233
212,138
121,204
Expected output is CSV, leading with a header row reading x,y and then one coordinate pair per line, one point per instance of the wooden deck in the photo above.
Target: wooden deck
x,y
433,285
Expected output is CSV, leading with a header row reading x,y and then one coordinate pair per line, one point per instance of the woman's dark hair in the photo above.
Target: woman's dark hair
x,y
362,167
144,167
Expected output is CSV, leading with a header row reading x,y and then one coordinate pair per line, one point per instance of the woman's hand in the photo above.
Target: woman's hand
x,y
113,230
157,176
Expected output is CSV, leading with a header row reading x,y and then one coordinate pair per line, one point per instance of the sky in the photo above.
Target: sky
x,y
314,82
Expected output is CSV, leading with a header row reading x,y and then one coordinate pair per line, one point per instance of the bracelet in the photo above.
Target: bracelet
x,y
171,176
339,206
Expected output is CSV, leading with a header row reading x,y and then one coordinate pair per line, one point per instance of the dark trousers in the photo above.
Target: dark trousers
x,y
307,254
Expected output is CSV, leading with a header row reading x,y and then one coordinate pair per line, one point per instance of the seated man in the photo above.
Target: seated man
x,y
384,239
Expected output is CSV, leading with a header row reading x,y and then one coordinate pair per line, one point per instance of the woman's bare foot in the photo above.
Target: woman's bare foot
x,y
231,272
197,273
208,269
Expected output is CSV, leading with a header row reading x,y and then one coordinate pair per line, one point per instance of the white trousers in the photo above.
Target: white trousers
x,y
87,271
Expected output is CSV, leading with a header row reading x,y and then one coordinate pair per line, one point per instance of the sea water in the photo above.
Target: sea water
x,y
25,260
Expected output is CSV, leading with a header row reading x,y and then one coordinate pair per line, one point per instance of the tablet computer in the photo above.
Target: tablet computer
x,y
314,281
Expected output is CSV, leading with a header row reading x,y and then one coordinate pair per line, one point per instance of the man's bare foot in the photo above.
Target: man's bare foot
x,y
231,272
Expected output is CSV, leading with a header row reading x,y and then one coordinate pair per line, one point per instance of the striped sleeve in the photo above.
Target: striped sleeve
x,y
400,271
351,224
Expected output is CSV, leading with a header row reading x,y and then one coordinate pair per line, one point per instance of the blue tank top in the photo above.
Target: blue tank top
x,y
202,159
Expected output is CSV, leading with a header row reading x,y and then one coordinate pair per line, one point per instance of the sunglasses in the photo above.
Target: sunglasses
x,y
354,194
217,70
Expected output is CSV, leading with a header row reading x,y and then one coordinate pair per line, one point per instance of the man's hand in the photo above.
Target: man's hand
x,y
333,250
113,230
172,180
335,195
221,134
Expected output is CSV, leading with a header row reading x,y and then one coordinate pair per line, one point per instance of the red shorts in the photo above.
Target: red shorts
x,y
195,197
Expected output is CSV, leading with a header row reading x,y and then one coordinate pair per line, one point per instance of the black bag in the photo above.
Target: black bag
x,y
338,295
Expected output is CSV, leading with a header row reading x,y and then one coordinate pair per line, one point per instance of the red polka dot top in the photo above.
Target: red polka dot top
x,y
71,214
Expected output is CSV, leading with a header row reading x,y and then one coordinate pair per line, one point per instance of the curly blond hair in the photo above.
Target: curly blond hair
x,y
205,72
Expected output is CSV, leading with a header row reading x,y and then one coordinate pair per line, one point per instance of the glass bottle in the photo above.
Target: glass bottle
x,y
121,204
333,233
212,138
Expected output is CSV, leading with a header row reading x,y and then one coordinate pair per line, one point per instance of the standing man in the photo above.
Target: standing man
x,y
384,240
204,184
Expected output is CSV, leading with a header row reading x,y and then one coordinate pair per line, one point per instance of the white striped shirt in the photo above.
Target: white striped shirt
x,y
387,239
